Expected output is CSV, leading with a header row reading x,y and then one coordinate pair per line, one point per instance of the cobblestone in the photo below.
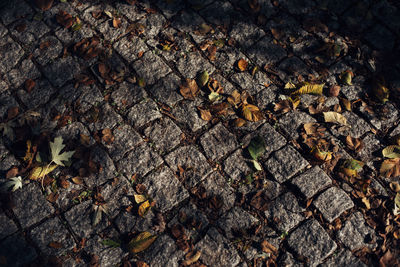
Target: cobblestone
x,y
312,181
218,142
333,202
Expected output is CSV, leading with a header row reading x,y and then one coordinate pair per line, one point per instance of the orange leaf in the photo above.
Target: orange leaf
x,y
29,85
252,113
205,114
242,64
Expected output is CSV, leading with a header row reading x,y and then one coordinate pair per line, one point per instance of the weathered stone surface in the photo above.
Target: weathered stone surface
x,y
343,258
356,234
13,10
291,122
285,212
275,52
194,164
12,52
165,188
105,167
332,203
246,34
312,181
192,64
217,251
117,193
108,256
7,160
15,251
165,135
11,227
251,84
27,70
141,160
316,245
106,117
129,48
218,142
80,218
40,94
150,68
166,90
126,95
236,221
144,112
61,71
34,30
52,237
30,205
235,166
186,113
285,163
287,259
164,252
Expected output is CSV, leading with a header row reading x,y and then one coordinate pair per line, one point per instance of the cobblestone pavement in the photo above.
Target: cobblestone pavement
x,y
108,77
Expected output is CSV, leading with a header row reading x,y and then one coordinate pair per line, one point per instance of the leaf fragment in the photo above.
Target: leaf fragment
x,y
205,114
189,90
15,183
41,171
144,208
202,79
390,168
252,113
351,167
141,242
391,152
346,77
312,89
334,117
139,198
192,257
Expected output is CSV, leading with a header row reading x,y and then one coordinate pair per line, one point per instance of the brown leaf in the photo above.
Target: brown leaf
x,y
12,172
242,64
44,45
346,103
390,168
140,263
189,89
212,51
205,114
192,257
254,5
108,137
29,85
269,248
52,197
77,180
239,122
20,27
141,242
65,19
278,34
334,90
103,69
214,86
234,99
116,22
44,4
12,112
354,144
55,245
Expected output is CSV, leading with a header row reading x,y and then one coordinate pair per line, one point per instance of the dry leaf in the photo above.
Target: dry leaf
x,y
192,257
242,64
239,122
390,168
12,112
77,180
334,117
55,245
234,99
141,242
116,22
65,19
355,144
29,85
107,137
334,90
140,198
144,208
313,89
391,152
202,79
41,171
321,155
205,114
44,4
269,248
346,103
252,113
189,90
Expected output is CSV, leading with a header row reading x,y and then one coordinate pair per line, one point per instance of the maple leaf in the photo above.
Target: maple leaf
x,y
15,183
56,146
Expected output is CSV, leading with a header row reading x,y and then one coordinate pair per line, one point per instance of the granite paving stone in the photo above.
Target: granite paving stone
x,y
31,206
187,113
276,52
12,52
144,112
7,160
164,252
285,212
236,166
166,90
150,68
12,11
316,245
104,165
343,257
117,193
165,134
191,64
291,123
285,163
194,164
49,52
165,188
129,48
126,94
332,203
141,160
10,229
108,256
41,94
107,117
26,70
52,237
217,251
33,31
236,222
61,71
252,84
218,142
312,181
356,234
7,101
246,34
287,259
153,24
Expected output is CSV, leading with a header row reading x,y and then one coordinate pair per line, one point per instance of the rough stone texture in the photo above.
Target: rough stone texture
x,y
285,163
252,84
165,90
275,52
192,64
108,256
236,221
141,160
27,70
165,189
285,212
117,193
130,48
164,252
126,95
61,71
356,234
187,113
235,166
40,94
245,34
10,229
290,122
144,112
165,135
12,53
194,164
316,245
150,68
332,203
312,181
15,251
7,160
343,258
105,166
216,250
31,206
52,237
218,142
287,259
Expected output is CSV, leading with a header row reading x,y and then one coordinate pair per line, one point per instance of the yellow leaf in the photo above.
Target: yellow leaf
x,y
41,171
139,198
313,89
192,258
321,155
252,113
391,152
141,242
28,154
239,122
202,79
205,114
380,90
143,208
290,85
346,103
390,168
346,77
335,117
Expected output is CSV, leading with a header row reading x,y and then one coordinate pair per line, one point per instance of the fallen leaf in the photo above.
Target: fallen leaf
x,y
290,86
139,198
44,4
390,168
15,183
141,242
12,172
65,19
214,96
29,85
205,114
351,167
116,22
12,112
257,165
41,171
335,117
242,64
144,208
346,77
55,147
239,122
55,245
381,92
140,263
256,147
77,25
334,90
321,155
366,202
354,144
268,248
189,90
214,86
346,103
77,180
391,152
107,137
252,113
234,99
202,79
192,257
313,89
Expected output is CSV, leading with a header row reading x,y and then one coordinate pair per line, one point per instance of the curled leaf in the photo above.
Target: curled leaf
x,y
313,89
242,64
189,90
239,122
234,99
351,167
192,258
202,79
141,242
321,155
140,198
41,171
335,117
256,147
346,77
144,208
205,114
390,168
252,113
391,152
381,92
